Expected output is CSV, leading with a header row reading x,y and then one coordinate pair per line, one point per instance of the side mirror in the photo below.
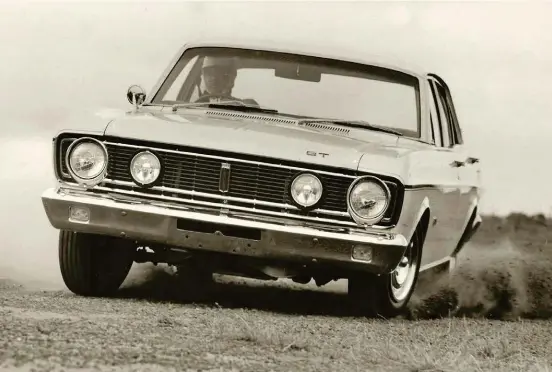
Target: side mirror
x,y
136,95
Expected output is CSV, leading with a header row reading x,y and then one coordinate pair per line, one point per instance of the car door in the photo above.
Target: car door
x,y
460,160
440,166
469,171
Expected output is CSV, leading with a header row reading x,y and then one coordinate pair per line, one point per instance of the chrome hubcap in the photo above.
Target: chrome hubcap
x,y
402,278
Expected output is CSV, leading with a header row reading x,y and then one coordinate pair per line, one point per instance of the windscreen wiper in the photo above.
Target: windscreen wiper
x,y
230,105
353,123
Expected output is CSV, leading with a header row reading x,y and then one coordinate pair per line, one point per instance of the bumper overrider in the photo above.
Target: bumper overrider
x,y
87,212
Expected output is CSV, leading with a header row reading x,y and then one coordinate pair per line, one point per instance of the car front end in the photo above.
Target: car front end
x,y
225,203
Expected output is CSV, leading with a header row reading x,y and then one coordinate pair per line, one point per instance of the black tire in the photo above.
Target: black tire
x,y
94,265
373,295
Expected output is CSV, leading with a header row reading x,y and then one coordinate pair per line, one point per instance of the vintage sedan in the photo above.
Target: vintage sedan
x,y
270,162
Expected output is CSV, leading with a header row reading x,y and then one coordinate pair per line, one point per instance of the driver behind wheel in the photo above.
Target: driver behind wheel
x,y
219,74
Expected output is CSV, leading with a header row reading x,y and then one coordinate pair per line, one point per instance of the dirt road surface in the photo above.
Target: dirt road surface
x,y
494,316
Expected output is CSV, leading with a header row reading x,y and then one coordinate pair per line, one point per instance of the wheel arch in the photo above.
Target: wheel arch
x,y
422,219
470,228
423,224
420,224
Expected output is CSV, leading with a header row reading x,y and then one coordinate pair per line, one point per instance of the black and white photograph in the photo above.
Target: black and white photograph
x,y
276,186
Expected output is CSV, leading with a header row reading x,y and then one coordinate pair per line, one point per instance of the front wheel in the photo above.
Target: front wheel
x,y
388,295
94,265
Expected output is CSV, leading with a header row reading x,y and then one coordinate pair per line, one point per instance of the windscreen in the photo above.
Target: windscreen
x,y
296,85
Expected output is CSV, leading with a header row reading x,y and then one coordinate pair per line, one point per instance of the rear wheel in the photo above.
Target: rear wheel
x,y
94,265
388,294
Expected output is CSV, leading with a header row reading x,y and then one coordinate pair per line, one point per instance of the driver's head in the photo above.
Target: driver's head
x,y
219,74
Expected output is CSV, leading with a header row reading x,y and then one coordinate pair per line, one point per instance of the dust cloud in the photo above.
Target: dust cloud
x,y
493,281
28,251
498,281
29,248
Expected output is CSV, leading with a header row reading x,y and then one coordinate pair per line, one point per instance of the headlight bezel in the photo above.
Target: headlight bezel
x,y
159,178
87,182
322,196
356,217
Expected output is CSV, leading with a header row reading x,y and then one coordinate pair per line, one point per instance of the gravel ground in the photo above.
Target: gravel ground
x,y
502,297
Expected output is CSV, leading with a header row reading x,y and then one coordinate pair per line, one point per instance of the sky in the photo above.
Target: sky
x,y
62,62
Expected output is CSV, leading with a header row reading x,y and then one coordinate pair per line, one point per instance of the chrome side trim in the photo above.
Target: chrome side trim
x,y
226,159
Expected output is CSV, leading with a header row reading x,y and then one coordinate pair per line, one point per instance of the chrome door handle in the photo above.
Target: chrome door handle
x,y
471,160
457,164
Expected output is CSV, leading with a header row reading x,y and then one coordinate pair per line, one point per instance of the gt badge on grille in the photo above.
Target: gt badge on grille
x,y
224,180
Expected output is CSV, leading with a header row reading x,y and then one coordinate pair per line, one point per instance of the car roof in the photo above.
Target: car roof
x,y
312,49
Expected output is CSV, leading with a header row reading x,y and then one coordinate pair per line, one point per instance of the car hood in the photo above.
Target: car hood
x,y
239,134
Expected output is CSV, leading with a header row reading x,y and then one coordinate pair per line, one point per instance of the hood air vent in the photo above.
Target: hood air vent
x,y
328,127
251,117
311,125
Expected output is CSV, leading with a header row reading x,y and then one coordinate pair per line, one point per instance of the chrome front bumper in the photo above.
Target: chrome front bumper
x,y
220,233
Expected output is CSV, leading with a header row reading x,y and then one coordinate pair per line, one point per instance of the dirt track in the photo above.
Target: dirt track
x,y
254,326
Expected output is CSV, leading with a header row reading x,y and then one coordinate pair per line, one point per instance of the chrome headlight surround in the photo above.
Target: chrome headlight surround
x,y
354,214
157,159
317,179
95,179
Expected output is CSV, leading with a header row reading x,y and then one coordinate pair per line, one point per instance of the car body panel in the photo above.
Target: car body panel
x,y
248,134
441,181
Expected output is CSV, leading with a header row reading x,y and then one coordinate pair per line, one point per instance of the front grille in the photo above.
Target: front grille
x,y
254,182
248,181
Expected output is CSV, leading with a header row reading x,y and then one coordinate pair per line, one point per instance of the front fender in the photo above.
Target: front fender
x,y
415,204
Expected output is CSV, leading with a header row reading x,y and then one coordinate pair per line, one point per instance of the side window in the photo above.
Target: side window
x,y
448,114
445,102
434,119
443,115
453,118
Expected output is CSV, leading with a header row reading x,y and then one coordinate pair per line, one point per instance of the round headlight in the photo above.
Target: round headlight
x,y
87,160
306,190
145,168
368,200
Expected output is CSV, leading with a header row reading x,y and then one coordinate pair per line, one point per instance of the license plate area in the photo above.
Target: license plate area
x,y
219,229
